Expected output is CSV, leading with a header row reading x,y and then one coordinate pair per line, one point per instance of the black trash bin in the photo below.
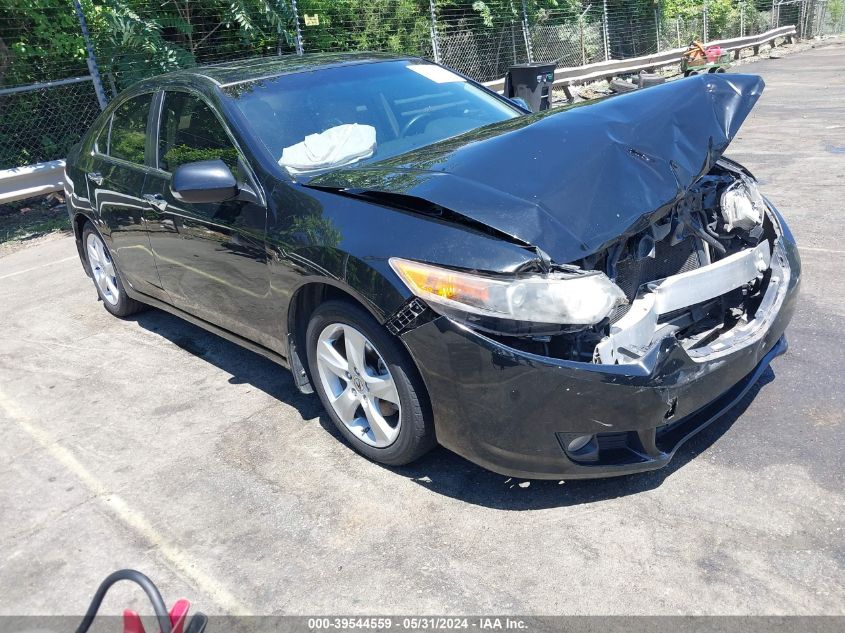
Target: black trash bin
x,y
532,83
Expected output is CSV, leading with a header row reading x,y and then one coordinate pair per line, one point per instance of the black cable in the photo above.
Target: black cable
x,y
139,579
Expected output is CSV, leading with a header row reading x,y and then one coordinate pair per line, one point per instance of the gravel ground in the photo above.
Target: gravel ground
x,y
148,443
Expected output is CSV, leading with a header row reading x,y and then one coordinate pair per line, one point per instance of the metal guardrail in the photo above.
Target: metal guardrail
x,y
27,182
569,76
43,178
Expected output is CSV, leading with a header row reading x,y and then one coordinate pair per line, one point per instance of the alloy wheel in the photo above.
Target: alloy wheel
x,y
358,385
102,268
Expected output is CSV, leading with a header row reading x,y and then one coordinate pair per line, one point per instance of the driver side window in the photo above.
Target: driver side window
x,y
190,132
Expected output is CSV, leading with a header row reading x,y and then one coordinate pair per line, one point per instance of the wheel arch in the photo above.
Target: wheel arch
x,y
307,298
314,291
311,294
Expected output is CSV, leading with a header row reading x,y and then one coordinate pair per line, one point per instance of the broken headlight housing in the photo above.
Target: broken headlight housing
x,y
561,298
742,206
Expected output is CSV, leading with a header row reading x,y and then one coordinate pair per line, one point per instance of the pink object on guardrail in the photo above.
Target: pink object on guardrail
x,y
713,53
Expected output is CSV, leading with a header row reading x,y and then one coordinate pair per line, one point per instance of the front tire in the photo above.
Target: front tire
x,y
368,384
105,275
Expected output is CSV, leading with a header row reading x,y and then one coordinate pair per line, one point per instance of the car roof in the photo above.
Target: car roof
x,y
246,70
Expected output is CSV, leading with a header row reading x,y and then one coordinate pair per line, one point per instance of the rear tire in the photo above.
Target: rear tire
x,y
368,384
105,275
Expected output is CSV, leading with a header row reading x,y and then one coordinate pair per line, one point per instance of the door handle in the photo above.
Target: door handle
x,y
156,200
95,177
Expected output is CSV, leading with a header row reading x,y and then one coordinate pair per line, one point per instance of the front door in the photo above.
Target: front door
x,y
211,257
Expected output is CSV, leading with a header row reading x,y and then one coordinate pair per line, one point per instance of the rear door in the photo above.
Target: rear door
x,y
116,173
211,257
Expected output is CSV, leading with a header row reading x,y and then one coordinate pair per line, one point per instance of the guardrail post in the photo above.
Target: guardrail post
x,y
435,43
91,59
605,37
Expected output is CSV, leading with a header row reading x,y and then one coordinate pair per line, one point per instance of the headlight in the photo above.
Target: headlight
x,y
558,298
742,205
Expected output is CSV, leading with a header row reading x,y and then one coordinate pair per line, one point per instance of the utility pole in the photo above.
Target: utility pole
x,y
300,48
435,44
657,27
604,31
91,59
526,34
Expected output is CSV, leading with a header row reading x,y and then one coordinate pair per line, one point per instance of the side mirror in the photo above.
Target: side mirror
x,y
203,181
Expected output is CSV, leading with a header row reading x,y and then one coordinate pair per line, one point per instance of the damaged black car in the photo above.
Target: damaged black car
x,y
564,294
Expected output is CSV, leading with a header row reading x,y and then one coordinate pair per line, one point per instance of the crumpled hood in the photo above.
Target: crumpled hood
x,y
572,181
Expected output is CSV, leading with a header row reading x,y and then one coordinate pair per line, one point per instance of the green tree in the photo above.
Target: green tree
x,y
399,26
40,40
134,42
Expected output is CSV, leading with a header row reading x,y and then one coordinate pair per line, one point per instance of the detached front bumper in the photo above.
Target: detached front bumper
x,y
514,412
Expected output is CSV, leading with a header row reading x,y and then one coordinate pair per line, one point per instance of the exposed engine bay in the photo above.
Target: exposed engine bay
x,y
699,273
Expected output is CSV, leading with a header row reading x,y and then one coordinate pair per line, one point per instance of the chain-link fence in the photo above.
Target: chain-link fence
x,y
40,122
62,60
570,37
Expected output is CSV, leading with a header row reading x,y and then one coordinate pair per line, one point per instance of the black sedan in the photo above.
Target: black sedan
x,y
571,293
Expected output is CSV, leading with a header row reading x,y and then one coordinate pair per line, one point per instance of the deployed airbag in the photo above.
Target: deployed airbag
x,y
337,146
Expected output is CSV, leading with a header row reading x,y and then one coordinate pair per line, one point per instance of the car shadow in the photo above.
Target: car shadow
x,y
245,366
440,471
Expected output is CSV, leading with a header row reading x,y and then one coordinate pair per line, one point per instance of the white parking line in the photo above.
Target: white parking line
x,y
127,515
29,270
820,250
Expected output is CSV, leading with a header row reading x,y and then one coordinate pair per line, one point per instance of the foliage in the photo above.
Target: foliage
x,y
40,40
130,47
835,9
719,12
399,26
138,42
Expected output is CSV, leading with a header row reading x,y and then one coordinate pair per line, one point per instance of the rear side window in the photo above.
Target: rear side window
x,y
129,130
190,132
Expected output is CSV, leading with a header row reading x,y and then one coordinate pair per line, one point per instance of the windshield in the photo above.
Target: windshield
x,y
317,120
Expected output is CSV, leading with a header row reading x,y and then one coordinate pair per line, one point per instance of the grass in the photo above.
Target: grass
x,y
32,218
